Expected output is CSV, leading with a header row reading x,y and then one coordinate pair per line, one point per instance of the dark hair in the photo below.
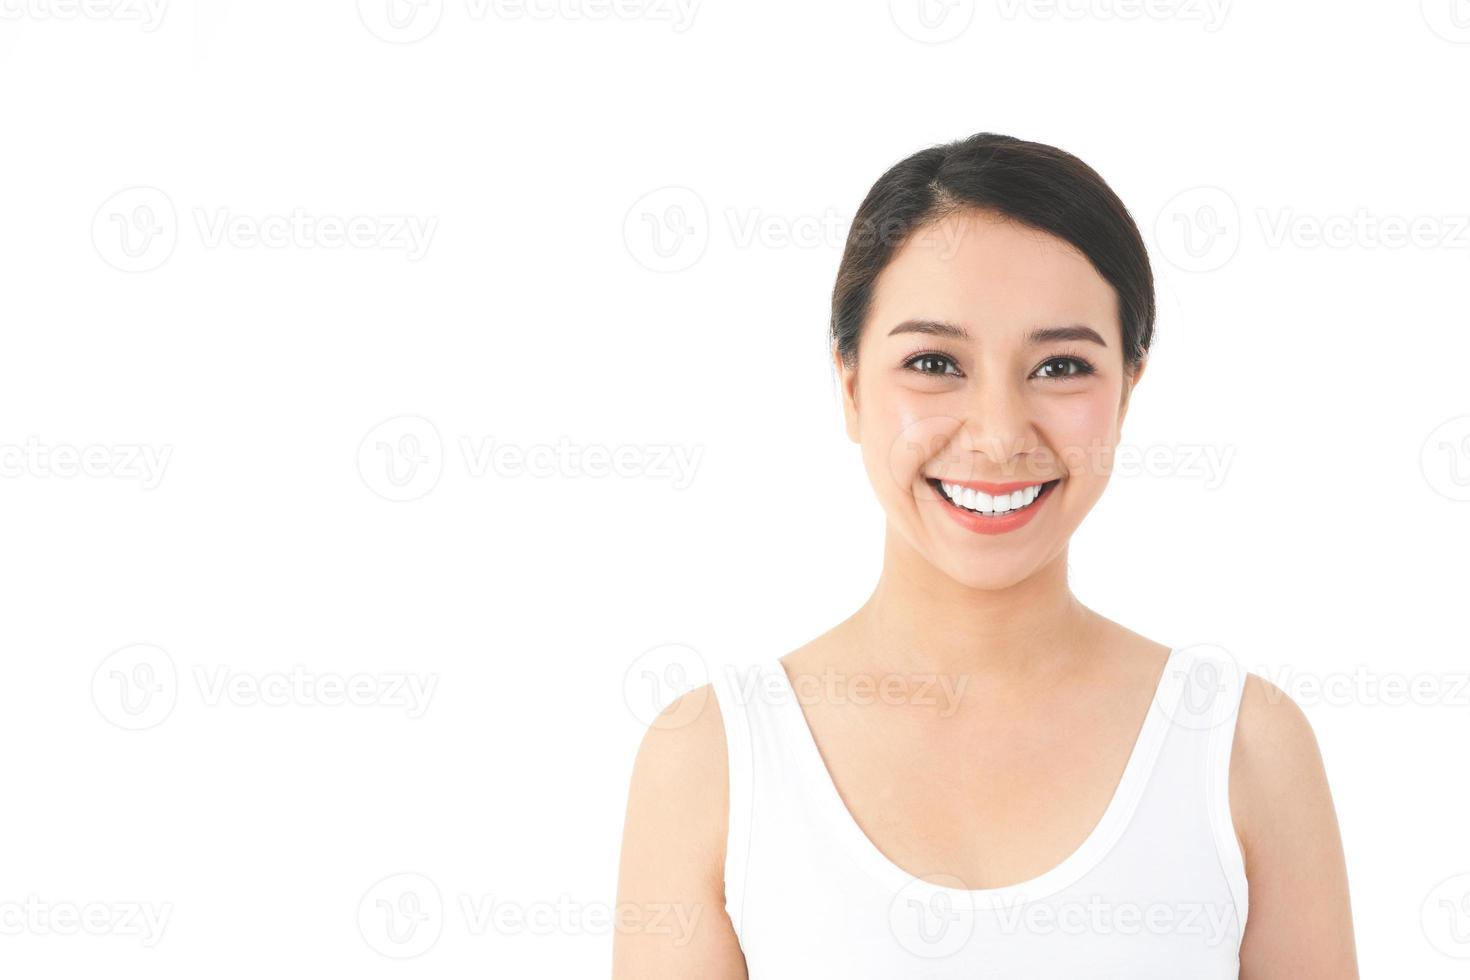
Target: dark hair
x,y
1038,185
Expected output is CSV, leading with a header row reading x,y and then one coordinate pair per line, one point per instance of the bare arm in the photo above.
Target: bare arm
x,y
1299,925
671,921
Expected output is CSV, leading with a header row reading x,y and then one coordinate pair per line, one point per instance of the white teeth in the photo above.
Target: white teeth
x,y
984,503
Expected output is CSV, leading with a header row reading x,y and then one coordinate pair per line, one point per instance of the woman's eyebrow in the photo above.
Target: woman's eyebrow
x,y
1049,335
1040,335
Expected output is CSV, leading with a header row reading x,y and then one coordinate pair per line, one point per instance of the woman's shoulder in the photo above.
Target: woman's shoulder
x,y
1276,767
675,826
1287,826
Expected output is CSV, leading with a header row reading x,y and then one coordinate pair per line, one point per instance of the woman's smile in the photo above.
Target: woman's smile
x,y
991,508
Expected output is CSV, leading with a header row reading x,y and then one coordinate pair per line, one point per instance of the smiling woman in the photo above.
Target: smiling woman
x,y
1088,802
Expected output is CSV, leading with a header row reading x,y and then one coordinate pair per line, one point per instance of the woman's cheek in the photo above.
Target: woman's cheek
x,y
922,432
1083,428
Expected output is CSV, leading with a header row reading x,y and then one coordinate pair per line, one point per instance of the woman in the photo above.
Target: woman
x,y
976,775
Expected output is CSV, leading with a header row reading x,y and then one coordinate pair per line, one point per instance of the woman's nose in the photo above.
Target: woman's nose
x,y
996,423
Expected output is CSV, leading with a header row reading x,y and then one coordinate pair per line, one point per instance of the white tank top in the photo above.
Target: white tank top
x,y
1157,890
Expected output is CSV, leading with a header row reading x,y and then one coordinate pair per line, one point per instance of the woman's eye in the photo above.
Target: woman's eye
x,y
931,364
1064,367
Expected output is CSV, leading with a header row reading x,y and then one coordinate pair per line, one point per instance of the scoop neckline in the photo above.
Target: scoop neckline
x,y
1067,872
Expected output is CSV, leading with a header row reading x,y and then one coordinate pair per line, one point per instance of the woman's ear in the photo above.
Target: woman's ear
x,y
847,385
1130,380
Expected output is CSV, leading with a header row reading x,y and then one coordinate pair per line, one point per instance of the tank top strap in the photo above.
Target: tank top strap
x,y
1205,690
734,689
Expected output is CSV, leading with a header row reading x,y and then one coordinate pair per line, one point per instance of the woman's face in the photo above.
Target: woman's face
x,y
991,361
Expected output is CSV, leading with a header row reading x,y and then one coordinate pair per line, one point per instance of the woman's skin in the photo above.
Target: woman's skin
x,y
1008,775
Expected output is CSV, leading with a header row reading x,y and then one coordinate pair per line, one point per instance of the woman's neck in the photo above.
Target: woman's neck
x,y
920,619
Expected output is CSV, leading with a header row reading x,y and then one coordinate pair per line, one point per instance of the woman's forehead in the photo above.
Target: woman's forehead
x,y
991,270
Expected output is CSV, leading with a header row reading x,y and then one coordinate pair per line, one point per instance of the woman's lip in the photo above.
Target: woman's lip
x,y
995,488
991,524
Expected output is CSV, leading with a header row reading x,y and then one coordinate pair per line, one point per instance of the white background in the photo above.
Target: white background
x,y
162,303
